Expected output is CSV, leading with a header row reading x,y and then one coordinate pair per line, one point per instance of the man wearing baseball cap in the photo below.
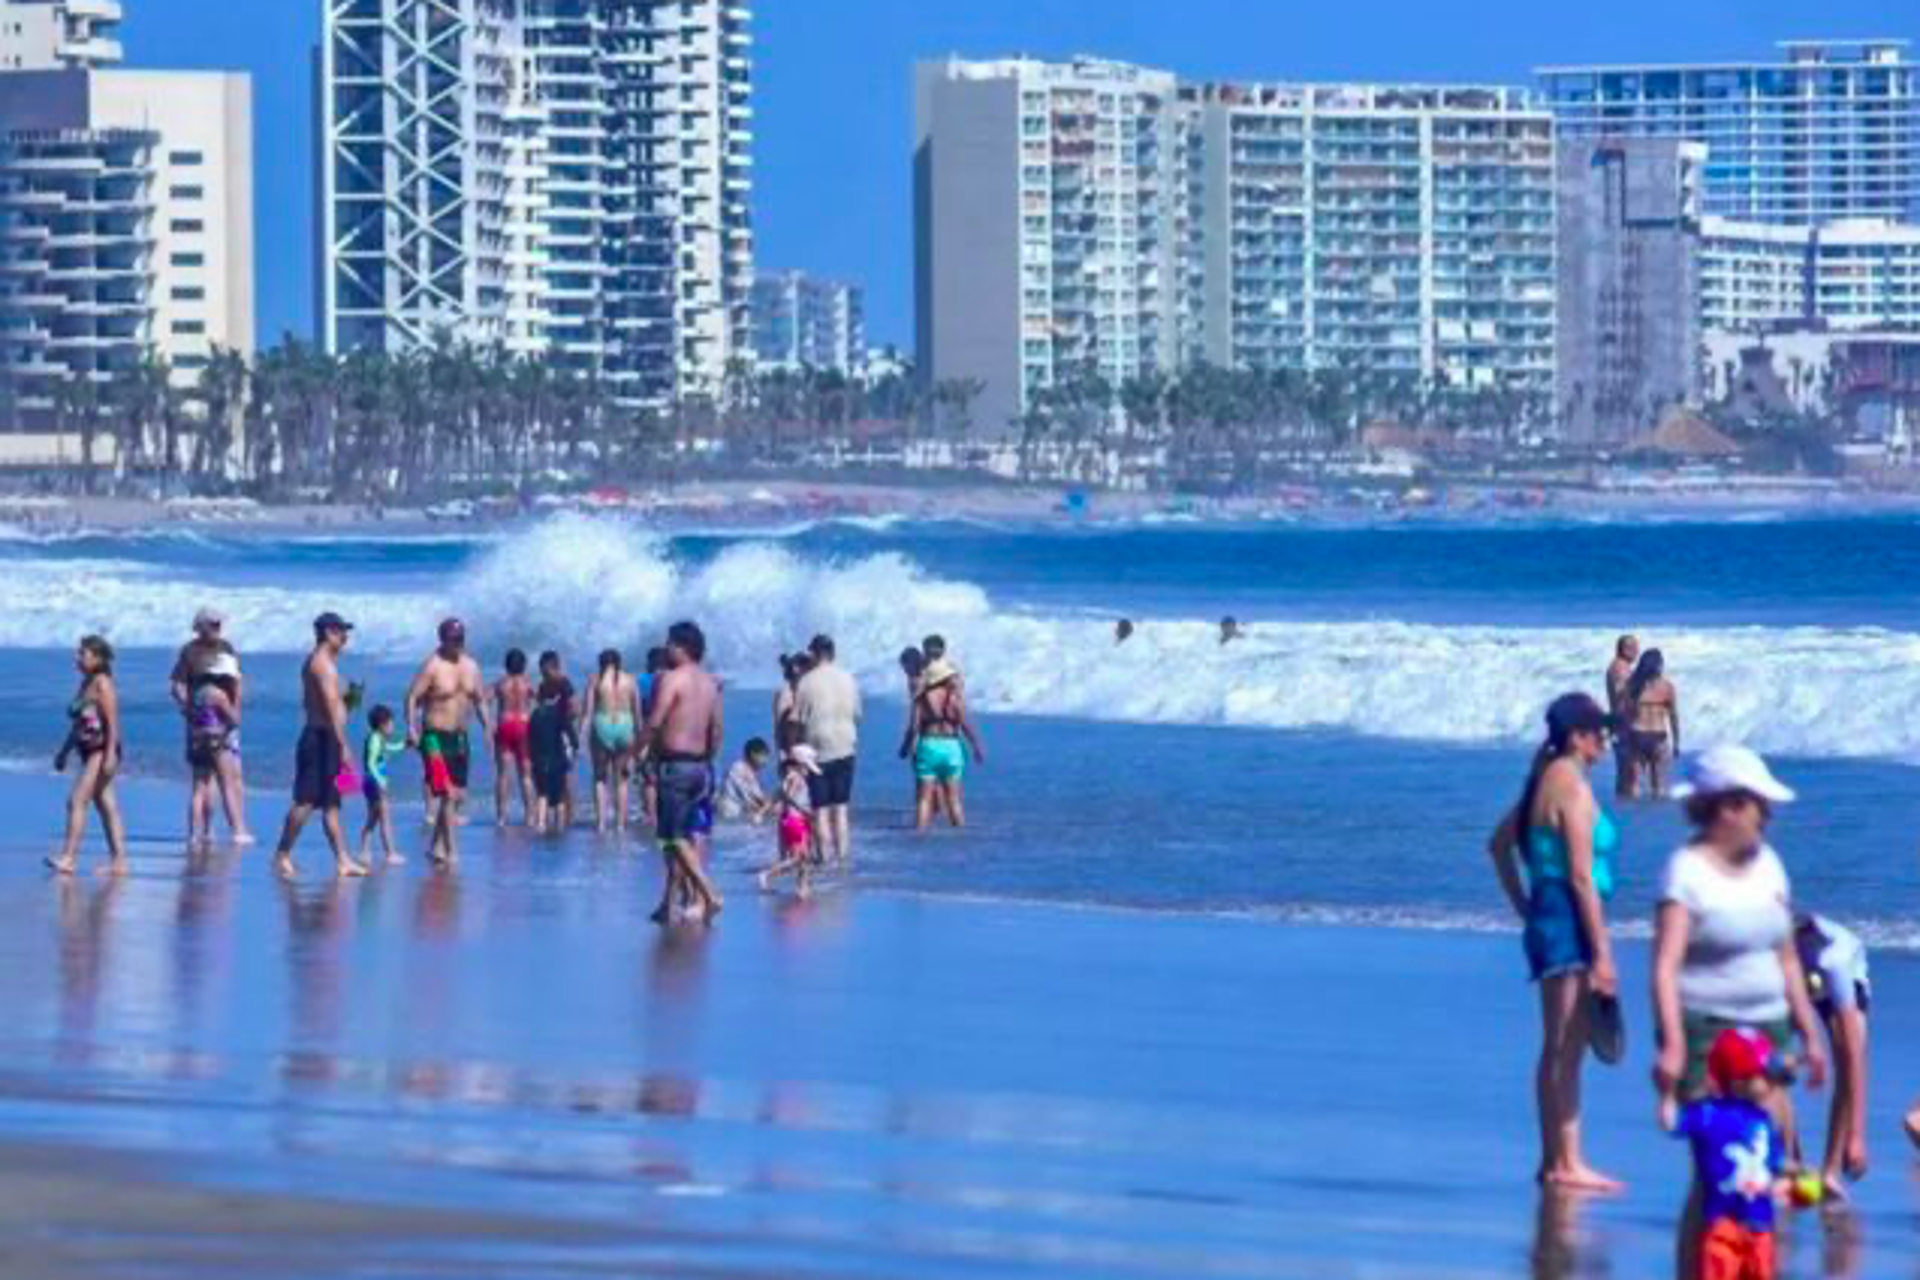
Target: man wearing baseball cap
x,y
193,664
323,752
444,696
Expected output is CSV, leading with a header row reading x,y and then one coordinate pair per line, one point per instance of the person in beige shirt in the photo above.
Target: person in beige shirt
x,y
827,707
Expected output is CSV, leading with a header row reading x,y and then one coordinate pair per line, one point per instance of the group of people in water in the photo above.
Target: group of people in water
x,y
661,731
1750,992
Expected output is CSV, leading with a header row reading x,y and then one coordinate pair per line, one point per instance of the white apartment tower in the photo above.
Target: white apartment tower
x,y
44,35
126,210
1048,225
1381,229
1094,217
568,179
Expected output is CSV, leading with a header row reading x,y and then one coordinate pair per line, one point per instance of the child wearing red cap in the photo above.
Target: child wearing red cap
x,y
1738,1155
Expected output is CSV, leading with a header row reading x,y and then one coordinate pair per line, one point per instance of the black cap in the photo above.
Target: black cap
x,y
1576,713
330,621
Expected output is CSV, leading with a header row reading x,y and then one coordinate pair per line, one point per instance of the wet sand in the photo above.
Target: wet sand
x,y
507,1072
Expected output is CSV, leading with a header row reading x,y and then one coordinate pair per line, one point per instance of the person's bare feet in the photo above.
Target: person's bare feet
x,y
348,869
396,860
715,905
283,866
245,838
1583,1179
661,915
766,881
61,866
115,868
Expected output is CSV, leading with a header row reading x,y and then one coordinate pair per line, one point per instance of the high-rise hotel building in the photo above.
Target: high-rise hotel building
x,y
1095,217
1049,222
1830,133
1395,230
568,179
126,211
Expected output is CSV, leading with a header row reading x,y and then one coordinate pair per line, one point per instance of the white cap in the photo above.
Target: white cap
x,y
804,756
1726,769
208,617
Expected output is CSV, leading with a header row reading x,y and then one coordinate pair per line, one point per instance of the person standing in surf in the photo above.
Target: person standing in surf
x,y
323,751
513,740
447,693
94,734
610,721
937,724
684,735
1554,855
1654,706
1626,652
827,706
195,661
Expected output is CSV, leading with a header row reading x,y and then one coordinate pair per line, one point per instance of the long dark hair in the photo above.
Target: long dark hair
x,y
1652,666
1558,745
102,652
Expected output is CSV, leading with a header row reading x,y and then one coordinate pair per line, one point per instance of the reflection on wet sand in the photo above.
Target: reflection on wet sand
x,y
85,915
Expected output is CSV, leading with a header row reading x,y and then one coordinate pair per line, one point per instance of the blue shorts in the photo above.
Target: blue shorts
x,y
373,791
1556,940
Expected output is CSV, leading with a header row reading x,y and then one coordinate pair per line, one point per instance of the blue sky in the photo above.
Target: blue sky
x,y
834,97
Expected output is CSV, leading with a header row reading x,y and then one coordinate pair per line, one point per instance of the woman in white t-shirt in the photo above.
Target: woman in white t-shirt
x,y
1724,954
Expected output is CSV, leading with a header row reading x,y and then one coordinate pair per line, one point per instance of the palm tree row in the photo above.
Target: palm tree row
x,y
385,429
1209,425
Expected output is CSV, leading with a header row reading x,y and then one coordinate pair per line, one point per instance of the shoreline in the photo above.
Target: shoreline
x,y
753,505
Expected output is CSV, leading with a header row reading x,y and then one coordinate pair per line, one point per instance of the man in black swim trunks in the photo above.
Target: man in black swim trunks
x,y
684,734
323,750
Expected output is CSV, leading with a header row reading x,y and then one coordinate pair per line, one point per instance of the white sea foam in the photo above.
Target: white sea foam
x,y
582,583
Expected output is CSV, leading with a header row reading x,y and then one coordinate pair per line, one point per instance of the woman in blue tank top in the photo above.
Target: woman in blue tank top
x,y
1555,857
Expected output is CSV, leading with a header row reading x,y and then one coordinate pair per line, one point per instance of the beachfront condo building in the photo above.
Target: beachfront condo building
x,y
1862,274
1048,218
41,35
1391,230
1629,316
1830,132
801,322
565,180
126,222
1099,218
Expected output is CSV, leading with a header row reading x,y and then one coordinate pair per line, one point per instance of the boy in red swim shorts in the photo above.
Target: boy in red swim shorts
x,y
513,702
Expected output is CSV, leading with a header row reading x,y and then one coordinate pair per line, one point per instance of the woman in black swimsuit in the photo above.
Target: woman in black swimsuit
x,y
94,736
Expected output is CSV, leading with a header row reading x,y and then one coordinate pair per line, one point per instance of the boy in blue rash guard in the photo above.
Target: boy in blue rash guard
x,y
381,746
1738,1159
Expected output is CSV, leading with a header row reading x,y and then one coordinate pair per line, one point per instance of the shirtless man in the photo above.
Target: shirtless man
x,y
1625,654
513,740
442,698
684,731
323,750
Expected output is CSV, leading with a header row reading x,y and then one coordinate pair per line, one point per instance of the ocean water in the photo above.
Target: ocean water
x,y
1139,1019
1344,761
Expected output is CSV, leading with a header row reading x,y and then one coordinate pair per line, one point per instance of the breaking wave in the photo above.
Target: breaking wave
x,y
580,584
